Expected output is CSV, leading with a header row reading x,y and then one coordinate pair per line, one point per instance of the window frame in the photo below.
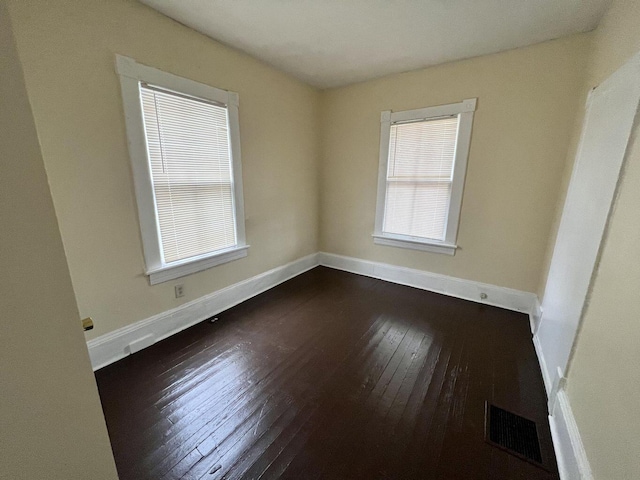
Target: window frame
x,y
464,110
131,75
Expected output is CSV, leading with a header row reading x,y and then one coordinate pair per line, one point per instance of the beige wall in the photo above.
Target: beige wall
x,y
527,99
67,48
51,423
604,375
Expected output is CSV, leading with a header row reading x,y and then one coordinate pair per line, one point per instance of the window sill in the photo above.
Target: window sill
x,y
193,265
414,244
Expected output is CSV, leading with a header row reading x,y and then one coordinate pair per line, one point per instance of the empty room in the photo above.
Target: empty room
x,y
319,239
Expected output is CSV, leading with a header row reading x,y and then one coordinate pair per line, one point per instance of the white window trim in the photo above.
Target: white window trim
x,y
464,110
131,74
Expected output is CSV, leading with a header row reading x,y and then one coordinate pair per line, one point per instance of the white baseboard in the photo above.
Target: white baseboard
x,y
455,287
115,345
543,365
572,458
554,382
535,315
570,454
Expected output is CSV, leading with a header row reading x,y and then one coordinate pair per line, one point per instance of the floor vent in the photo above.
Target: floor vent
x,y
513,433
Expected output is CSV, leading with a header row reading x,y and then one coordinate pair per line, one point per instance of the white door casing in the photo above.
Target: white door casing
x,y
609,120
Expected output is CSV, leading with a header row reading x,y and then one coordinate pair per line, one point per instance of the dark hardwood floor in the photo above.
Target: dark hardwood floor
x,y
329,375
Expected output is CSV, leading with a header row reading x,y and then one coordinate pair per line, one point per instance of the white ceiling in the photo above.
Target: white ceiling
x,y
329,43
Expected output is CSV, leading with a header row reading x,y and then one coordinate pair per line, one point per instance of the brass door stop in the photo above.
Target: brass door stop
x,y
87,324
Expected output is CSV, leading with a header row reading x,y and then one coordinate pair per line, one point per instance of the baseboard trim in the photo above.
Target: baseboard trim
x,y
115,345
570,454
503,297
543,365
572,458
535,315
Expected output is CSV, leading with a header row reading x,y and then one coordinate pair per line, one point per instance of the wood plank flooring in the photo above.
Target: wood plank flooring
x,y
329,376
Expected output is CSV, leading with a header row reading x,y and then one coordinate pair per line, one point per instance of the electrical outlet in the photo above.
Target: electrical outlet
x,y
179,289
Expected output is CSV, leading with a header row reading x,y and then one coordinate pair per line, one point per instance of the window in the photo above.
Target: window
x,y
423,159
185,153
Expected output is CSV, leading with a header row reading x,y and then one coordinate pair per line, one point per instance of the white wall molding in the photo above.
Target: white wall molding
x,y
115,345
572,458
535,315
570,454
611,113
454,287
543,366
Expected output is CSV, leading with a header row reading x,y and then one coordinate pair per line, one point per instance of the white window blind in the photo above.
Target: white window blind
x,y
419,177
191,171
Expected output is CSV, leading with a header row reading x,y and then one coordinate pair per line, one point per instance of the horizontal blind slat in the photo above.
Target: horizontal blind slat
x,y
419,175
189,155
